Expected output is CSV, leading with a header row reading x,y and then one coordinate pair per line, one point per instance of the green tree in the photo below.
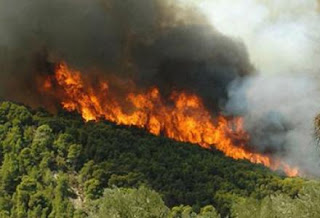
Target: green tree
x,y
62,206
42,141
10,177
130,203
73,157
25,189
306,205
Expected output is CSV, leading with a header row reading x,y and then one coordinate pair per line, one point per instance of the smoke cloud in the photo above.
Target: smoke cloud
x,y
281,36
202,46
278,113
149,42
281,101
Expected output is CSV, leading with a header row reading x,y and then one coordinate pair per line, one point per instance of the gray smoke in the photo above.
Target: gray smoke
x,y
278,113
280,102
174,46
152,42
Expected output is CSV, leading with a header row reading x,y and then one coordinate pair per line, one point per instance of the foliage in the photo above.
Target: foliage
x,y
58,165
280,205
187,212
130,203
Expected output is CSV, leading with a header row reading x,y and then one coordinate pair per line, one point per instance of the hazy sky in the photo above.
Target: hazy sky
x,y
273,30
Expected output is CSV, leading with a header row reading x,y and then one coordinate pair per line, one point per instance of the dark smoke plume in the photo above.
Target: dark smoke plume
x,y
170,45
150,42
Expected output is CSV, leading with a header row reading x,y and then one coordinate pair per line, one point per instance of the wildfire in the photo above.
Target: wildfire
x,y
184,118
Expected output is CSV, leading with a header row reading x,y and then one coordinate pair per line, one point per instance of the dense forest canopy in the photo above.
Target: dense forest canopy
x,y
60,166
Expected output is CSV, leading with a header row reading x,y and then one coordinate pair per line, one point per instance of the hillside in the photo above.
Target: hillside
x,y
58,166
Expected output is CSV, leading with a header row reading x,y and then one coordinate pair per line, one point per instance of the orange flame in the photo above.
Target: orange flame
x,y
186,119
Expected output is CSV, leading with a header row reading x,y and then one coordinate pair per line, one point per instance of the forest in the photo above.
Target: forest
x,y
57,165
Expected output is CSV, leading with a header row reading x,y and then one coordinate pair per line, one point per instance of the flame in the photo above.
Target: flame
x,y
184,119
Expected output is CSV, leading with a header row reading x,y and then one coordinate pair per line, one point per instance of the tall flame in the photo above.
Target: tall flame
x,y
184,119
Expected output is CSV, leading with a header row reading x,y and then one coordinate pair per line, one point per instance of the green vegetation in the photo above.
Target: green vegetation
x,y
140,202
59,166
280,205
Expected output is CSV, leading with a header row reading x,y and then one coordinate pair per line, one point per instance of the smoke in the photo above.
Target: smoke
x,y
148,42
281,101
278,113
196,59
202,46
281,36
